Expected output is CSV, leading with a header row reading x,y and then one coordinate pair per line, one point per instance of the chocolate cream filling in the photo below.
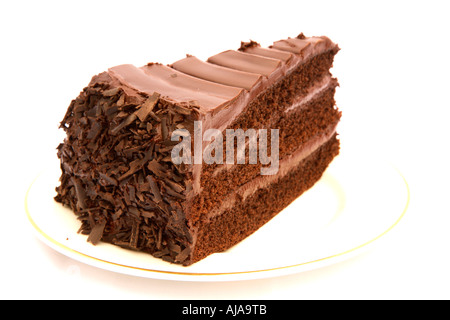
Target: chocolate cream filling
x,y
286,164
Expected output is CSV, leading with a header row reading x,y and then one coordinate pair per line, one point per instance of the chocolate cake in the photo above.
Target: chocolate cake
x,y
164,158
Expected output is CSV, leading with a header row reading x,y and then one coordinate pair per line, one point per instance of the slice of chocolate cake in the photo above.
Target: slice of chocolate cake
x,y
186,160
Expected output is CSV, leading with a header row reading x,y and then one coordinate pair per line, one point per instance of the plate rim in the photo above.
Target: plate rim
x,y
205,276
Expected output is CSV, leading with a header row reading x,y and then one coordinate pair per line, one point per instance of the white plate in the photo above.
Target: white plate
x,y
357,201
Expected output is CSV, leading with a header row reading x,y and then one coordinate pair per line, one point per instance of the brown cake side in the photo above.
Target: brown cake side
x,y
118,173
244,217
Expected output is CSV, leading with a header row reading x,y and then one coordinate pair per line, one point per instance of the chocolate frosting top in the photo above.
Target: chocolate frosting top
x,y
230,77
175,85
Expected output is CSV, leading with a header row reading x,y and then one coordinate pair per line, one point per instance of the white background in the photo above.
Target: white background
x,y
393,71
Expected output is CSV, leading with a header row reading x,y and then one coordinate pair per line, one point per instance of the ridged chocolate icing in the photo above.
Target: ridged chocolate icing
x,y
218,74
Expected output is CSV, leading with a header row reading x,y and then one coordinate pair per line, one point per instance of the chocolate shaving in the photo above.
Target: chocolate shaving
x,y
183,255
81,194
97,233
96,129
111,92
246,45
109,180
175,186
132,193
154,188
159,239
154,116
176,249
121,101
129,120
148,214
185,110
175,194
145,109
161,254
134,211
164,129
156,168
135,165
134,235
